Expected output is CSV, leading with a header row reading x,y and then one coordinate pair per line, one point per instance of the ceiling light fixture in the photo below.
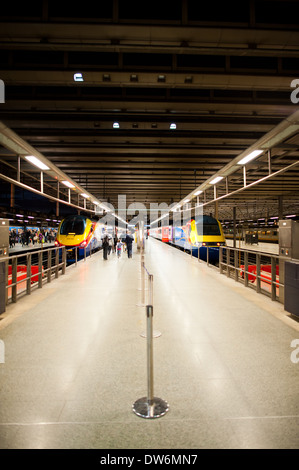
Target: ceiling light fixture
x,y
116,125
36,162
78,77
68,184
161,78
250,157
216,180
172,126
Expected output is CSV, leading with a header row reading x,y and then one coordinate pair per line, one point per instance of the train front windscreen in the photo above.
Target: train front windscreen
x,y
73,225
207,226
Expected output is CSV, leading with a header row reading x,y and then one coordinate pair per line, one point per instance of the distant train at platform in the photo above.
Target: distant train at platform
x,y
196,235
81,233
254,236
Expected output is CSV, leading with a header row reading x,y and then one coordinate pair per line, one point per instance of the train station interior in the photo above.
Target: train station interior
x,y
149,225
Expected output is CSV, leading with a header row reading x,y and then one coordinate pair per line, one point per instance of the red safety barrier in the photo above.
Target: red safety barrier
x,y
265,273
22,273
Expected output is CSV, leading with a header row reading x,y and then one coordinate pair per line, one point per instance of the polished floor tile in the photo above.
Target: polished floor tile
x,y
76,360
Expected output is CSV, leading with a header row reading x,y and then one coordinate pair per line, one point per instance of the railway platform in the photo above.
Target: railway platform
x,y
75,360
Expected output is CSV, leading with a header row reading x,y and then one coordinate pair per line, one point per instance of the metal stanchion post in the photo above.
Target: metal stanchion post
x,y
142,284
142,288
150,406
156,333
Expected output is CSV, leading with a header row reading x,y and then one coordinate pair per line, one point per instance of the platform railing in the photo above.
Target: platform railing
x,y
257,270
29,270
149,406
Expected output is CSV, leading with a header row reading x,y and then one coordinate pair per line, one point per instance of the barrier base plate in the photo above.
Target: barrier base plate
x,y
156,334
155,409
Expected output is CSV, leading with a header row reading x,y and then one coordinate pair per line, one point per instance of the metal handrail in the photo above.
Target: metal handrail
x,y
274,260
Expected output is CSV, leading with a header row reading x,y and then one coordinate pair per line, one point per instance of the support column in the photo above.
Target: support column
x,y
216,209
234,222
57,203
12,195
280,207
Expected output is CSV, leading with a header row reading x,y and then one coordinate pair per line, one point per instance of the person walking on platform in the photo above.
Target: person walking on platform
x,y
119,248
105,245
110,245
115,242
129,242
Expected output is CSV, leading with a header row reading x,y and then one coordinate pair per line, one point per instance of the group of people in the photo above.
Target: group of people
x,y
116,245
31,236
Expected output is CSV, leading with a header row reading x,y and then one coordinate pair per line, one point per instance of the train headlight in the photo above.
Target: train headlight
x,y
83,244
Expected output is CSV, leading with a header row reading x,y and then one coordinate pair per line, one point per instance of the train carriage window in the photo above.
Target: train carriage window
x,y
73,225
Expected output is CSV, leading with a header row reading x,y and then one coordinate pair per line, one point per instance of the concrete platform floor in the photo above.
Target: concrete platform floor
x,y
75,360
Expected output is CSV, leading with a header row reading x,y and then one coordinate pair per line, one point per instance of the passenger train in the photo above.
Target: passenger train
x,y
196,235
79,231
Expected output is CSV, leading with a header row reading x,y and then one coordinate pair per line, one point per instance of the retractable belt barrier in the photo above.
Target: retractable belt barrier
x,y
149,406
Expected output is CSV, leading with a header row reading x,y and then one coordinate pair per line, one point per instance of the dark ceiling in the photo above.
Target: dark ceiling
x,y
221,73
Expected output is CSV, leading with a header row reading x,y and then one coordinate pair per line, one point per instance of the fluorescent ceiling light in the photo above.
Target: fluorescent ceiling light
x,y
197,193
78,77
172,126
68,184
36,162
250,157
84,195
216,180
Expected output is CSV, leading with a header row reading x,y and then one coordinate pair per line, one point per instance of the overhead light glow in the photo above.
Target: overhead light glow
x,y
68,184
78,77
172,126
84,195
36,162
116,125
250,157
216,180
197,193
186,200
